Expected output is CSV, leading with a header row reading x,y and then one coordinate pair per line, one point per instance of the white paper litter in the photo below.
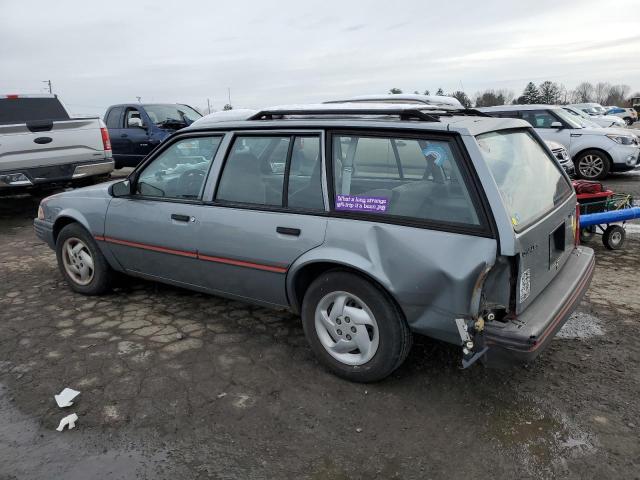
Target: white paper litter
x,y
69,420
63,399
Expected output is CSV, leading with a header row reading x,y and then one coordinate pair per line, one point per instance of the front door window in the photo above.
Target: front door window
x,y
180,171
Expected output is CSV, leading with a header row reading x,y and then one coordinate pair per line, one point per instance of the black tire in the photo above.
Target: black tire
x,y
103,275
587,234
613,237
592,165
628,121
394,336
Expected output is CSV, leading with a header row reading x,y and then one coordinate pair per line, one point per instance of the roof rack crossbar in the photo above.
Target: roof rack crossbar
x,y
404,114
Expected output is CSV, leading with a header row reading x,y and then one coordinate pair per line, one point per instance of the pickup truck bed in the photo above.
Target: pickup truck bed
x,y
40,145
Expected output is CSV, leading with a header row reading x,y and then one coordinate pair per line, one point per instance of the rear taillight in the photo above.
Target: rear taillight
x,y
106,142
576,226
12,96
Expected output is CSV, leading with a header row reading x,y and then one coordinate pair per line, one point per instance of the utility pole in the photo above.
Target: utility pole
x,y
48,82
139,98
208,105
229,94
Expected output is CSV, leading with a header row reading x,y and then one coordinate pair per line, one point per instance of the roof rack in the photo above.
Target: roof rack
x,y
403,113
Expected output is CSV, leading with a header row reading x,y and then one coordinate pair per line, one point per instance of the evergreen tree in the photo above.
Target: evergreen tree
x,y
531,94
426,92
440,92
227,107
549,93
462,98
395,91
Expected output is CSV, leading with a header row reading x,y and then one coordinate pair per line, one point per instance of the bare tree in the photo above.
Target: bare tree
x,y
462,98
601,92
583,93
617,95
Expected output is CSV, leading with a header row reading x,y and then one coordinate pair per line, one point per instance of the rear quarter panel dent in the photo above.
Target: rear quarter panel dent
x,y
430,274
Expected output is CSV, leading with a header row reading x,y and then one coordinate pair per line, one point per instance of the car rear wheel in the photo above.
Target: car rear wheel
x,y
593,165
628,121
354,328
81,262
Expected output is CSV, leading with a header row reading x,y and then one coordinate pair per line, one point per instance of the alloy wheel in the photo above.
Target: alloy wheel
x,y
77,261
590,166
346,328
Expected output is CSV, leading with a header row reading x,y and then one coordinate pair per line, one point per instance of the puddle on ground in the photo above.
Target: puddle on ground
x,y
27,450
541,441
581,325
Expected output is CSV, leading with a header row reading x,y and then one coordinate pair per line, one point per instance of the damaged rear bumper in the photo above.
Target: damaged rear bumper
x,y
522,339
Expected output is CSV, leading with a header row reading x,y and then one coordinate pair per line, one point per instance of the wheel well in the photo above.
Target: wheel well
x,y
577,155
59,224
307,274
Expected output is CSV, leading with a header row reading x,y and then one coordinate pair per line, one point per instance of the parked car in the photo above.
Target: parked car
x,y
41,146
591,108
404,98
586,120
385,220
595,151
629,115
137,128
563,157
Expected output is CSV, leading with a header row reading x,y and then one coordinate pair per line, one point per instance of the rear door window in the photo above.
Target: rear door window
x,y
276,170
420,179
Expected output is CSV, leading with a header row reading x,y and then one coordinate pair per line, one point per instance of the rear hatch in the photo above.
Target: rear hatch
x,y
540,200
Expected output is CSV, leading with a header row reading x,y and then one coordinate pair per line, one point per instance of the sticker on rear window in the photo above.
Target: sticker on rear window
x,y
353,203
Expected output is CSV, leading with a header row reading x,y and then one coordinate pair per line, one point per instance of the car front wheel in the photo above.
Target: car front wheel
x,y
592,165
81,262
354,328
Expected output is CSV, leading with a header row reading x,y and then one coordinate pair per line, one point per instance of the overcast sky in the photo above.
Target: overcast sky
x,y
274,52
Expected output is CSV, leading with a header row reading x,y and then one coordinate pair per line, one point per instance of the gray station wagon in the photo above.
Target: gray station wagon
x,y
372,222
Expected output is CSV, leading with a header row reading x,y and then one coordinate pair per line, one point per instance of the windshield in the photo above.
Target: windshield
x,y
529,180
568,118
167,115
581,117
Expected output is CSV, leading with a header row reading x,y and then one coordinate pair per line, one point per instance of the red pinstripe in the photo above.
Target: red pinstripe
x,y
182,253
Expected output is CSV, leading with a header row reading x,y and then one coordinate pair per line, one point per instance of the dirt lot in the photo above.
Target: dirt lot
x,y
181,385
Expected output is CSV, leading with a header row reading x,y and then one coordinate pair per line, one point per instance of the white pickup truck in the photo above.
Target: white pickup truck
x,y
42,146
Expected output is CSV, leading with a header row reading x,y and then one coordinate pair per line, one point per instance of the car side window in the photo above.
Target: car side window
x,y
179,172
256,172
429,185
132,118
538,118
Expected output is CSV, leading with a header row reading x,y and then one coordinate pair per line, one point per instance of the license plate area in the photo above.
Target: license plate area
x,y
556,245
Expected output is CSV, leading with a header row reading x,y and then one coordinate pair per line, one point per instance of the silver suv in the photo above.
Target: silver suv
x,y
372,222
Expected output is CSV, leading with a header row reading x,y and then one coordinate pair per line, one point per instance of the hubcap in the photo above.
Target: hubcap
x,y
77,261
591,166
615,238
346,328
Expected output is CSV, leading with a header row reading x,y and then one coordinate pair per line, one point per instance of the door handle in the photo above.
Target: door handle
x,y
180,218
295,232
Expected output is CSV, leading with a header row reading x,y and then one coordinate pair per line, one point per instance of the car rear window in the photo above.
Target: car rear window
x,y
26,109
411,178
530,181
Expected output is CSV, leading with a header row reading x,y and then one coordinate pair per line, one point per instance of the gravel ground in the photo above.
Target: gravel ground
x,y
177,384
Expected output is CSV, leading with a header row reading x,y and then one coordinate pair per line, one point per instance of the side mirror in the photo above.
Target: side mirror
x,y
557,125
134,123
120,189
